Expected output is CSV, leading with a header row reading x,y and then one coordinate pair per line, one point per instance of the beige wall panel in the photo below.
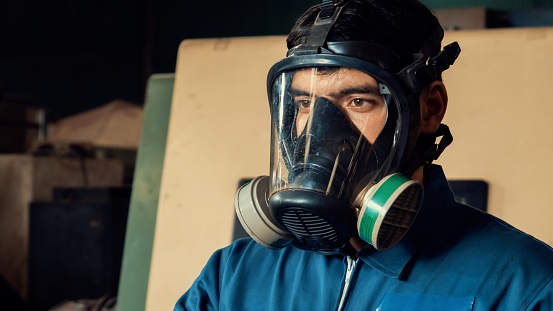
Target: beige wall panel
x,y
499,113
218,133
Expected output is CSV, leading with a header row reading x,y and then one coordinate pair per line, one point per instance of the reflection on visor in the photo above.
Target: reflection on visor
x,y
326,125
324,153
354,93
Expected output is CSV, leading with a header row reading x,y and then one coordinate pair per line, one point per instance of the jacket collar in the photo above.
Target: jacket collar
x,y
436,205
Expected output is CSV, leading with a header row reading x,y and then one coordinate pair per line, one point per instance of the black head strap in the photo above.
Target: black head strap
x,y
428,150
421,72
426,67
436,150
330,11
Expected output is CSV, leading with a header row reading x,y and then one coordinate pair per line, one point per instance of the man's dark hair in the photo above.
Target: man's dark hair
x,y
400,25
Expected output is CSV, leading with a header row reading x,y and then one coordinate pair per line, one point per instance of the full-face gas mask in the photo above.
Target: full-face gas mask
x,y
340,127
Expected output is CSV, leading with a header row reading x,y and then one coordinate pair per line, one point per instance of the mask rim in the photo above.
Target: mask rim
x,y
333,60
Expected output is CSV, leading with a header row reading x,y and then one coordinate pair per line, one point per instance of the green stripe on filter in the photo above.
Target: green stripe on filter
x,y
371,209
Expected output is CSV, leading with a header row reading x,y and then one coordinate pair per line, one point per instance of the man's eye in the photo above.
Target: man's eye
x,y
361,102
303,103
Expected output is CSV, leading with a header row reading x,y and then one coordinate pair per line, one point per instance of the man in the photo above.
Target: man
x,y
353,215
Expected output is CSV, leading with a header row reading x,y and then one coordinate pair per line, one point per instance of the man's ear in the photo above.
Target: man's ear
x,y
433,104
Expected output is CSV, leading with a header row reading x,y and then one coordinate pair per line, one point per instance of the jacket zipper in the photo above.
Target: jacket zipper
x,y
349,272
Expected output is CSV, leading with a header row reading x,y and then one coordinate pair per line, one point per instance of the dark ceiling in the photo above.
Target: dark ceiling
x,y
70,56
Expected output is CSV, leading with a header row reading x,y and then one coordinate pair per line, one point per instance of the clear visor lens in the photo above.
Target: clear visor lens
x,y
333,130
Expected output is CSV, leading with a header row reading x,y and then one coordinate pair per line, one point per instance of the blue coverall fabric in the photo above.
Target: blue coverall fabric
x,y
453,258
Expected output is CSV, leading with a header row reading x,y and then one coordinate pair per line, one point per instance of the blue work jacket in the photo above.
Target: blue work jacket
x,y
454,257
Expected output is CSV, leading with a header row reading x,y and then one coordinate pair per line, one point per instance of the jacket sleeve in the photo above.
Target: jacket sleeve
x,y
205,291
543,300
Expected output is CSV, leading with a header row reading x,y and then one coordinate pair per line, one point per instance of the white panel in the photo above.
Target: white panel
x,y
499,113
218,133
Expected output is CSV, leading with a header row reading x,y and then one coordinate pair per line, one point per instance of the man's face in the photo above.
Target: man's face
x,y
355,93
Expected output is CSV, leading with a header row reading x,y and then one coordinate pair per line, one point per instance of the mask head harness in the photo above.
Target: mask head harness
x,y
328,181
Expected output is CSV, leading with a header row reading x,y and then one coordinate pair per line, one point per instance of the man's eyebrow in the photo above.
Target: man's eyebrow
x,y
361,89
298,92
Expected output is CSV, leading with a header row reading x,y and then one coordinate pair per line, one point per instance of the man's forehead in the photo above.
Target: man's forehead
x,y
336,77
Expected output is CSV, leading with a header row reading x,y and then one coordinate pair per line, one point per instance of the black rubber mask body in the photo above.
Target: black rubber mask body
x,y
330,155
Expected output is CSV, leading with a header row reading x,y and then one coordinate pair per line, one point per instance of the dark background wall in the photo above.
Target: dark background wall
x,y
70,56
